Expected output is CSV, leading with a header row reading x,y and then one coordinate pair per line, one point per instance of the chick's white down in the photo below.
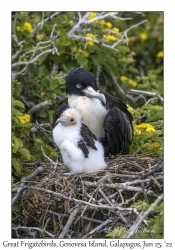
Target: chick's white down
x,y
67,138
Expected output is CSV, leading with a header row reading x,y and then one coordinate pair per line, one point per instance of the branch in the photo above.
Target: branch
x,y
20,45
35,57
141,217
23,182
42,22
84,22
33,228
39,106
61,196
69,223
105,223
134,91
52,162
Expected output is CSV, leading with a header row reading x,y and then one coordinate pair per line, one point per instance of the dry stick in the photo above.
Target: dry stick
x,y
69,223
42,22
33,228
115,185
50,160
105,197
39,106
141,217
147,93
156,168
61,196
23,182
105,223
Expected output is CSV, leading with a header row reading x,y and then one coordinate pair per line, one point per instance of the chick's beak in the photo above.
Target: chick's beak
x,y
63,121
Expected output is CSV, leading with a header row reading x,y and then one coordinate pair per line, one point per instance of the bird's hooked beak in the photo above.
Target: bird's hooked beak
x,y
90,92
63,121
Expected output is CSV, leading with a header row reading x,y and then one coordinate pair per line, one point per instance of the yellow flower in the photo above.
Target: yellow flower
x,y
108,25
141,128
92,15
160,54
71,22
109,38
24,118
143,36
155,145
85,53
90,43
91,36
123,78
130,109
161,20
28,27
102,22
133,83
116,29
40,37
18,28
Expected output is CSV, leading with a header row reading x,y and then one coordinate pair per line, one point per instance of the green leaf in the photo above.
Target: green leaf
x,y
15,120
82,61
53,84
16,164
16,112
25,153
39,141
133,70
148,107
44,113
15,207
18,104
123,48
15,146
142,235
42,58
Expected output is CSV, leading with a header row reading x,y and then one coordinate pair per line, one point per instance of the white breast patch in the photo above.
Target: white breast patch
x,y
91,111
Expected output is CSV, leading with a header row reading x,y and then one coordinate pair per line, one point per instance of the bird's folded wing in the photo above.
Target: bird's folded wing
x,y
118,131
59,110
88,139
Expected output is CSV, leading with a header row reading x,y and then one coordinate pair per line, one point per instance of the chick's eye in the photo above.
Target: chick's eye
x,y
78,85
71,120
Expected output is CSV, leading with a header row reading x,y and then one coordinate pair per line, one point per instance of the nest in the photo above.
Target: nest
x,y
58,205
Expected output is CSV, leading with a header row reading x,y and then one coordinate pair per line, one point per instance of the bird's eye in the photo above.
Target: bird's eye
x,y
78,85
71,120
92,84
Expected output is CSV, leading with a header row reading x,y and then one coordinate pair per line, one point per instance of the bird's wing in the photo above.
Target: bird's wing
x,y
118,131
88,140
59,110
112,102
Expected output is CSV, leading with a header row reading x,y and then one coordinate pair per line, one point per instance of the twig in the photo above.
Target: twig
x,y
69,223
39,106
33,228
105,223
141,217
23,182
61,196
146,93
50,160
42,22
156,168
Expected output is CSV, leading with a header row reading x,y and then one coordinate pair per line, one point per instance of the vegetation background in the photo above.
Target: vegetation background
x,y
124,50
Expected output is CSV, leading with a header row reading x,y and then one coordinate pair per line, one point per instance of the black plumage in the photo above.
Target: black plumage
x,y
105,115
88,140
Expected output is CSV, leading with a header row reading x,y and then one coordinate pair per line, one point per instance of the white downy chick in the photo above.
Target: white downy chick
x,y
79,147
